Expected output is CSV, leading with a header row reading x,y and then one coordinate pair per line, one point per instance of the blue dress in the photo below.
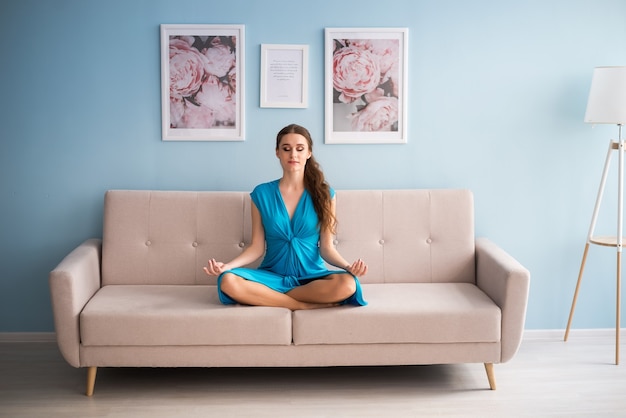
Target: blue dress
x,y
292,256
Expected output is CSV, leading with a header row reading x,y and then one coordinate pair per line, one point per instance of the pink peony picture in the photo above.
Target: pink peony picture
x,y
365,86
201,82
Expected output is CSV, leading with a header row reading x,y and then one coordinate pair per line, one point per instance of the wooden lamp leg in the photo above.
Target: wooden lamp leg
x,y
580,276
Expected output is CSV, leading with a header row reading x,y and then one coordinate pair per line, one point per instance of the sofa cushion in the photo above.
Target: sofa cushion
x,y
177,315
405,313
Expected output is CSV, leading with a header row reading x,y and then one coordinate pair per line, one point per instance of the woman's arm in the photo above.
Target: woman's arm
x,y
329,252
249,255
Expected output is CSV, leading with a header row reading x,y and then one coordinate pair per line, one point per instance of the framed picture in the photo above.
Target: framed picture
x,y
366,85
202,82
284,75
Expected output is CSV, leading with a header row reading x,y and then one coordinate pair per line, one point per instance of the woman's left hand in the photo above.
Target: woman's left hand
x,y
215,268
358,268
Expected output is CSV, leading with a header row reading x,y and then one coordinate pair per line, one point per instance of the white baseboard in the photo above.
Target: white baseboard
x,y
559,334
27,337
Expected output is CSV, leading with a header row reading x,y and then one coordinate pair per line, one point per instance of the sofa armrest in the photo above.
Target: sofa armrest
x,y
506,282
72,283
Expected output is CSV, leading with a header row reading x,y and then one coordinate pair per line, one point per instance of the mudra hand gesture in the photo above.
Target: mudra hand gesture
x,y
215,268
358,268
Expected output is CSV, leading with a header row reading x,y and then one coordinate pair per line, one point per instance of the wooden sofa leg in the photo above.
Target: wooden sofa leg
x,y
91,380
490,375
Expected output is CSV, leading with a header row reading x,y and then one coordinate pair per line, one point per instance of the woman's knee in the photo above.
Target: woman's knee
x,y
229,283
346,285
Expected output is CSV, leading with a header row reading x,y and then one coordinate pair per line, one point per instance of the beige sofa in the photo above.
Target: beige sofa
x,y
139,297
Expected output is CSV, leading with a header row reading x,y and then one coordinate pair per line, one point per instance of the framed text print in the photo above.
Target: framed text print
x,y
202,82
284,75
366,86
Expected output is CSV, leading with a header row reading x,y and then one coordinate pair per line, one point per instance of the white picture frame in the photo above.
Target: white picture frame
x,y
202,82
284,76
366,73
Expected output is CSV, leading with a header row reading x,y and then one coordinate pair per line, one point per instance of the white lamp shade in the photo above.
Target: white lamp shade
x,y
607,97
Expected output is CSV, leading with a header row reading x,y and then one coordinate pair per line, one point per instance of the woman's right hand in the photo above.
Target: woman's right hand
x,y
214,268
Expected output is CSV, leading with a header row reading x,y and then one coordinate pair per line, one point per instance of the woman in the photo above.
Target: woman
x,y
293,223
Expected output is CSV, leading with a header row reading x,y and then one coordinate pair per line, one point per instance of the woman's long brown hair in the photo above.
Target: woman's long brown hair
x,y
314,181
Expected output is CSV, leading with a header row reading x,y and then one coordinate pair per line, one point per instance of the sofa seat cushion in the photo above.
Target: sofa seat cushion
x,y
405,313
177,315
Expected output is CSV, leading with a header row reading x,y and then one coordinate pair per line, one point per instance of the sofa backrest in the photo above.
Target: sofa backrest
x,y
161,237
408,235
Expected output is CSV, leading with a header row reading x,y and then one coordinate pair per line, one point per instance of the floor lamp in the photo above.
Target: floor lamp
x,y
607,104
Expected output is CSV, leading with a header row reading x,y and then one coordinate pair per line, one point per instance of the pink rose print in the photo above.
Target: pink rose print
x,y
219,100
365,77
220,60
379,115
197,117
387,51
203,82
355,72
187,67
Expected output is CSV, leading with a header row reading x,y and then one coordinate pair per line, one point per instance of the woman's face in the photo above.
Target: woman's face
x,y
293,152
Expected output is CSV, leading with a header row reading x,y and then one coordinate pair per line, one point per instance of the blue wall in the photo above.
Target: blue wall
x,y
497,94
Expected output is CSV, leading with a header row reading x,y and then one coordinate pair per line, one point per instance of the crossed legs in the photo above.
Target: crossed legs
x,y
320,293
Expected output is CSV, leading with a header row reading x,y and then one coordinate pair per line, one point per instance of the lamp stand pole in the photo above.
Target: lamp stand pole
x,y
616,241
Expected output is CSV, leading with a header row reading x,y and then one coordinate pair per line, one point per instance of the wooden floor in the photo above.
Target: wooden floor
x,y
548,377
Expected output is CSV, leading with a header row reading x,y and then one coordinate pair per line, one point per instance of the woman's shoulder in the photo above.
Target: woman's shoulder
x,y
264,188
